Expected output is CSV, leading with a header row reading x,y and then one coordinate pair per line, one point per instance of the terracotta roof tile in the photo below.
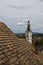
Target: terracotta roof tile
x,y
13,51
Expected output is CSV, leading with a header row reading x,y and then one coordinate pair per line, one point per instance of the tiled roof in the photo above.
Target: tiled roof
x,y
13,51
41,55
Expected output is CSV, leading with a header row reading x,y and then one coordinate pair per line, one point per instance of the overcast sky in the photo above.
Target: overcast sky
x,y
15,14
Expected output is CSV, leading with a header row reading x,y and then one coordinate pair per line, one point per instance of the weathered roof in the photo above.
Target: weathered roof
x,y
41,55
13,51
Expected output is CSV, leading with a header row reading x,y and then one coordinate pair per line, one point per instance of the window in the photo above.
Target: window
x,y
27,35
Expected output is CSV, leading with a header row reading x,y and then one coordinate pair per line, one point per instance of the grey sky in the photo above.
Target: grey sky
x,y
15,13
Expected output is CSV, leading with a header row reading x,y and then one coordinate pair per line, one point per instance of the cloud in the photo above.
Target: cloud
x,y
41,0
20,24
19,7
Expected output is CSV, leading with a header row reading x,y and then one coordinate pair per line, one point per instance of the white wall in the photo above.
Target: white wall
x,y
29,37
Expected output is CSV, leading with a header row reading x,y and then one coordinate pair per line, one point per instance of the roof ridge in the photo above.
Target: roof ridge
x,y
1,23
